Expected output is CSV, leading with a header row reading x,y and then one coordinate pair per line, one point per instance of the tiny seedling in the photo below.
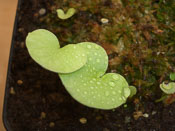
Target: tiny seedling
x,y
81,68
91,86
168,88
63,16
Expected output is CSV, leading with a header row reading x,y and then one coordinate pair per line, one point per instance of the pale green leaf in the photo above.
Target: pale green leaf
x,y
62,15
168,88
91,86
44,48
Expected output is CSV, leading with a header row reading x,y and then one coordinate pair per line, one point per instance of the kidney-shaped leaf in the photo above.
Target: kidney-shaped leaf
x,y
44,48
90,86
68,14
168,88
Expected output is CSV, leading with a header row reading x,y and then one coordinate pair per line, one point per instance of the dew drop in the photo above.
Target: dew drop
x,y
94,97
89,46
84,84
94,79
95,53
98,83
91,81
96,46
115,77
78,90
119,91
74,47
113,92
112,84
92,87
106,93
90,59
83,54
85,92
98,60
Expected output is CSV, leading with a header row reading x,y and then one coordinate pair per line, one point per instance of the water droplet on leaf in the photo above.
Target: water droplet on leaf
x,y
112,84
98,60
96,46
115,77
89,46
98,83
113,92
106,93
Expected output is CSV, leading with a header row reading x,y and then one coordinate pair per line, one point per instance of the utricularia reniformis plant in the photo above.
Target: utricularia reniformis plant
x,y
81,68
168,89
67,15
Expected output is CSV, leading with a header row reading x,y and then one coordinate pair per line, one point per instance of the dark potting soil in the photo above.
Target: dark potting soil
x,y
37,100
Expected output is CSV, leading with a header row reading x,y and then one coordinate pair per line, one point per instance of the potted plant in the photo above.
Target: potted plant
x,y
92,65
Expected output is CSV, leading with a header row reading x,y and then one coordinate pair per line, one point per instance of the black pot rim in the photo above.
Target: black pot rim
x,y
4,115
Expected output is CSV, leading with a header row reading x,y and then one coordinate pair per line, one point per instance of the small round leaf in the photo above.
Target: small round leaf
x,y
168,88
44,48
91,86
67,15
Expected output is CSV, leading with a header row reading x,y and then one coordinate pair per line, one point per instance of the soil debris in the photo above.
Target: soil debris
x,y
51,124
83,120
42,11
137,114
12,91
19,82
43,115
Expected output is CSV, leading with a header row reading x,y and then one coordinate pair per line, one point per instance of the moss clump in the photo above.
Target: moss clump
x,y
139,36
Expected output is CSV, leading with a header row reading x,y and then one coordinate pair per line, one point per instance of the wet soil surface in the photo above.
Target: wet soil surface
x,y
37,100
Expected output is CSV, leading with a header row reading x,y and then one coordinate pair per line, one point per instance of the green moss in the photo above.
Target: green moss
x,y
146,27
